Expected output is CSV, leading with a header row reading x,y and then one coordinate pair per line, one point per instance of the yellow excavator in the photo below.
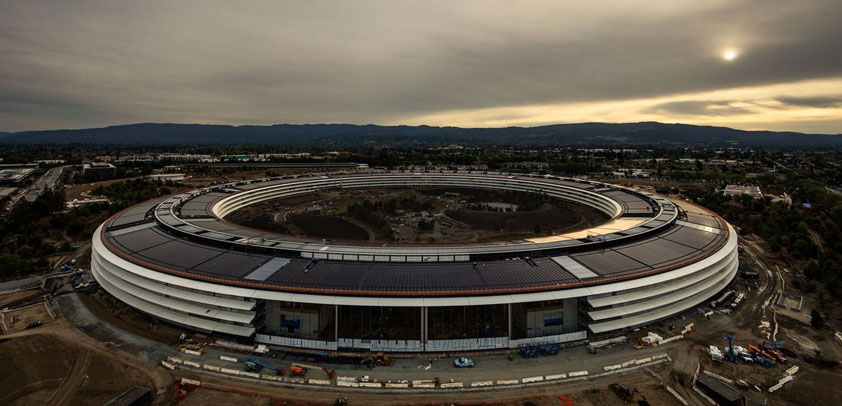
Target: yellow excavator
x,y
372,361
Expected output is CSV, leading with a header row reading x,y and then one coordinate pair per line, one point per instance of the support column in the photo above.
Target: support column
x,y
509,308
336,324
423,328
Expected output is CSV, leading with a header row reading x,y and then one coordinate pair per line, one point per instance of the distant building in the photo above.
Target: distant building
x,y
163,177
738,190
98,170
14,176
104,158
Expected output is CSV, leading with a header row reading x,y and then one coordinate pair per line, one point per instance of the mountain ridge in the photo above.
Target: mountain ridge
x,y
578,134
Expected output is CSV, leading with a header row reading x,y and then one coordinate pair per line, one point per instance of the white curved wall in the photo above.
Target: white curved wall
x,y
227,309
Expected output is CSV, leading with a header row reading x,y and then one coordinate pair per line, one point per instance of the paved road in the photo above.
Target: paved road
x,y
20,284
48,181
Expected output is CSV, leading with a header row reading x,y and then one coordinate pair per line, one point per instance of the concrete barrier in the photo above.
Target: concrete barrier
x,y
371,385
250,374
191,352
532,379
424,385
792,370
452,385
555,376
345,384
270,377
508,382
577,373
174,360
612,367
211,368
167,365
297,380
193,364
229,371
191,382
395,385
629,362
659,356
224,358
482,383
780,383
643,361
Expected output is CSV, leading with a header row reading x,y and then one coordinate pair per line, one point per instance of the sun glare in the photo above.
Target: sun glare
x,y
729,55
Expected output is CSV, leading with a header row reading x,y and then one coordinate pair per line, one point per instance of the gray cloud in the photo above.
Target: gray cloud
x,y
819,102
90,63
699,108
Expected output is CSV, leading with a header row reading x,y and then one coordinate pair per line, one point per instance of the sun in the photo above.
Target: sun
x,y
729,55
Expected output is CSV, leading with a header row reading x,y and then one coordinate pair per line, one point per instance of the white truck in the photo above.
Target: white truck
x,y
738,300
715,353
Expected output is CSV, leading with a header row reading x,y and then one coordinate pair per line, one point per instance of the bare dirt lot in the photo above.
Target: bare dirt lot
x,y
25,317
57,366
438,215
12,299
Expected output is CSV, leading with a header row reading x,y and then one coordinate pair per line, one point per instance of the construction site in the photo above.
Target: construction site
x,y
438,215
70,343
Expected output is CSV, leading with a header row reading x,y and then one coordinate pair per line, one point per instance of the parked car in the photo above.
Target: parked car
x,y
463,362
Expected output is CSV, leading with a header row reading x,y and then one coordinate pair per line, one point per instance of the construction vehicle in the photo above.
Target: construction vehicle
x,y
301,370
372,361
771,348
753,350
256,365
766,362
715,353
738,300
297,370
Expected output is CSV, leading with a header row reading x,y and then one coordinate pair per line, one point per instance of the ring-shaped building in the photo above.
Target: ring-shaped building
x,y
178,260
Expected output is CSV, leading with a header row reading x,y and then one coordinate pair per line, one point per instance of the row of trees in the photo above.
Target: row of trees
x,y
32,231
810,235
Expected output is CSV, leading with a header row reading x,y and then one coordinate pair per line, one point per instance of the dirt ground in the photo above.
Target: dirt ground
x,y
325,215
60,366
20,318
203,397
12,299
583,393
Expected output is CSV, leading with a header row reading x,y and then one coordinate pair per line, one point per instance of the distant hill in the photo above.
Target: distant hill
x,y
338,135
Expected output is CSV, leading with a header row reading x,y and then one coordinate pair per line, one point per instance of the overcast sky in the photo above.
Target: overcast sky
x,y
76,64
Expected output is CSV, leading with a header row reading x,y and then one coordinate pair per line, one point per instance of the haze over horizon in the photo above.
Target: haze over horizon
x,y
770,65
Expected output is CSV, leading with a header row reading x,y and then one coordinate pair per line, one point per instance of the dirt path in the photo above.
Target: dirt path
x,y
94,373
74,377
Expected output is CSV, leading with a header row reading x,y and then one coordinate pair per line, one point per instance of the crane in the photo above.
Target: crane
x,y
730,338
256,365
